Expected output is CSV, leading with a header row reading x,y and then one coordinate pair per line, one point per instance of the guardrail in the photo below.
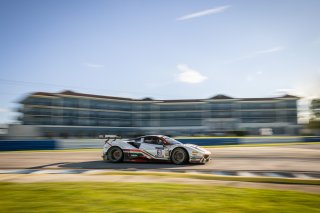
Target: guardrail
x,y
311,139
209,141
80,143
14,145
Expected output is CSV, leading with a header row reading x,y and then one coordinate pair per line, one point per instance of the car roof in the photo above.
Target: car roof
x,y
153,136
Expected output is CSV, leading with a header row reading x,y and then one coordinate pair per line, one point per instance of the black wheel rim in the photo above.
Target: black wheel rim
x,y
115,154
178,156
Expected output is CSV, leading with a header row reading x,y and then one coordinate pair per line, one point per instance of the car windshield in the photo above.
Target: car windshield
x,y
172,141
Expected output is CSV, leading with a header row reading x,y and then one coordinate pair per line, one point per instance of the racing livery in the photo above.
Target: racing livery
x,y
153,148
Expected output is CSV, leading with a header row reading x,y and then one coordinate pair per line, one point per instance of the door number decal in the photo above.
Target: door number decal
x,y
159,153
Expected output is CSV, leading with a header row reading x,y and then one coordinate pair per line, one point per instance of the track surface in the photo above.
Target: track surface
x,y
300,158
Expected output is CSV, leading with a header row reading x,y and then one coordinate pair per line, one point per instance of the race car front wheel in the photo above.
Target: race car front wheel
x,y
115,154
179,156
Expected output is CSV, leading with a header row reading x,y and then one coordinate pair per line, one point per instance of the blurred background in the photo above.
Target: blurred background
x,y
239,78
78,69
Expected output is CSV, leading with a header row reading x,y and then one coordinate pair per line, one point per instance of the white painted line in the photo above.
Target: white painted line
x,y
10,171
302,176
105,171
194,172
47,171
247,174
142,170
96,171
273,174
220,173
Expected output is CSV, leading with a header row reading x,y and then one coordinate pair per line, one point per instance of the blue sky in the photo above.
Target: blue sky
x,y
161,49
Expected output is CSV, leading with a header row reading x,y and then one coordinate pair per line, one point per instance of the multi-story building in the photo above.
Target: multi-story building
x,y
75,114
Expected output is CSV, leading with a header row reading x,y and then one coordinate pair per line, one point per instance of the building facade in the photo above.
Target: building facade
x,y
68,114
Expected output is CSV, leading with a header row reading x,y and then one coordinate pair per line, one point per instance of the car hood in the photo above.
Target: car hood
x,y
197,148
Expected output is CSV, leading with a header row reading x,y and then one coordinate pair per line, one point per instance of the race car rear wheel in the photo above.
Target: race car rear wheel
x,y
179,156
115,154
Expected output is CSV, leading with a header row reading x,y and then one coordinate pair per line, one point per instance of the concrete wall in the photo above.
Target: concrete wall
x,y
256,140
9,145
17,131
79,143
311,139
14,145
209,141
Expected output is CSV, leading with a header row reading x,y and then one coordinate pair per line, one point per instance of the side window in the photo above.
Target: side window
x,y
138,140
158,141
153,140
148,140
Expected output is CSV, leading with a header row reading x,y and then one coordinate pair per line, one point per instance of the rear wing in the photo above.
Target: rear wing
x,y
109,137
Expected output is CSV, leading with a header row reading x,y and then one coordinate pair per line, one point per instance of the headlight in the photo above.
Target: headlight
x,y
197,153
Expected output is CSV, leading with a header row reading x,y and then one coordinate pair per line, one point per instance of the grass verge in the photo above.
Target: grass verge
x,y
218,177
142,197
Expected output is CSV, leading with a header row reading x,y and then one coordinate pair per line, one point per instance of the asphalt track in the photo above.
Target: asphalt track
x,y
293,158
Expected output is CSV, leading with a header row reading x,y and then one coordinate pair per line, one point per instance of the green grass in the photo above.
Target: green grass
x,y
219,177
143,197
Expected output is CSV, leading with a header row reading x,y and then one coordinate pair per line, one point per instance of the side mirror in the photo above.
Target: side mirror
x,y
165,143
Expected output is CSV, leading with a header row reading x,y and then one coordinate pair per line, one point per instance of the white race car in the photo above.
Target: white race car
x,y
153,148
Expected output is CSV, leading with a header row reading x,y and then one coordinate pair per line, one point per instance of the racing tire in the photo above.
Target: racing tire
x,y
105,158
115,154
179,156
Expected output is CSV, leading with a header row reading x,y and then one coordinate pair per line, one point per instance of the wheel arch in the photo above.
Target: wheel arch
x,y
113,147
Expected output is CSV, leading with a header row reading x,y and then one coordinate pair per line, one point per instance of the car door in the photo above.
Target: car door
x,y
153,146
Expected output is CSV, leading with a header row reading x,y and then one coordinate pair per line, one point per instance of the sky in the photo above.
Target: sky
x,y
165,49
